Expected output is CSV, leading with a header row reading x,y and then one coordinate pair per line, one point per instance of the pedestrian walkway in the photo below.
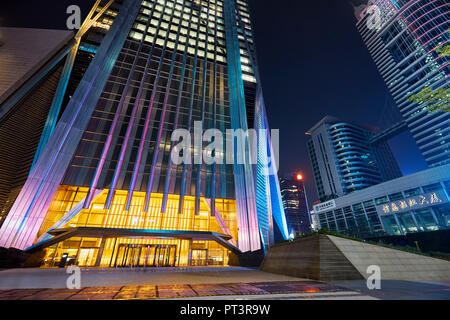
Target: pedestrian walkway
x,y
56,278
174,291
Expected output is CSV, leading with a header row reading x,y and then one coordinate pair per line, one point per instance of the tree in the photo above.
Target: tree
x,y
436,100
439,99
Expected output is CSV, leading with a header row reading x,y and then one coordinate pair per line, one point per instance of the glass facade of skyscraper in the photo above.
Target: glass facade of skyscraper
x,y
414,203
105,190
406,47
295,205
344,160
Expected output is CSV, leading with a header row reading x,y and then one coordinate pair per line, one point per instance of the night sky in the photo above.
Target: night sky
x,y
312,63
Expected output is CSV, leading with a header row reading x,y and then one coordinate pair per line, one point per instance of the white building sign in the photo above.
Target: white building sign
x,y
412,203
324,206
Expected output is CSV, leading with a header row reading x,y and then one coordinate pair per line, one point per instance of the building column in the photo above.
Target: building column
x,y
398,224
146,257
335,221
100,252
190,253
435,217
415,221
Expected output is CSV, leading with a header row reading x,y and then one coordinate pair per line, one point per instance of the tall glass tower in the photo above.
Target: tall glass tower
x,y
344,160
405,44
105,191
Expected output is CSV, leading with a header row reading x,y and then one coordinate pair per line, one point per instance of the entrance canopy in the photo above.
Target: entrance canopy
x,y
90,232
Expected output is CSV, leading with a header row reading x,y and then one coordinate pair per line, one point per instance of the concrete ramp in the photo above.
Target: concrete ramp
x,y
327,258
394,264
314,257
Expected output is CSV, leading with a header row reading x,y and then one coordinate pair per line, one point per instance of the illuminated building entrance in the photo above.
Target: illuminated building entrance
x,y
130,255
111,169
98,237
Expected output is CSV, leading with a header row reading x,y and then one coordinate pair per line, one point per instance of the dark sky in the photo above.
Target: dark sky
x,y
312,63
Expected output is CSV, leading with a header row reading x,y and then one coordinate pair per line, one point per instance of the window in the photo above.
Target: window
x,y
432,187
412,192
381,200
396,196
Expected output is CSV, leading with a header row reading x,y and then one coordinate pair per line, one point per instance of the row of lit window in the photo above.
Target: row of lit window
x,y
209,12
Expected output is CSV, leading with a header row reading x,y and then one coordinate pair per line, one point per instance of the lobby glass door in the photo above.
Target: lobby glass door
x,y
131,255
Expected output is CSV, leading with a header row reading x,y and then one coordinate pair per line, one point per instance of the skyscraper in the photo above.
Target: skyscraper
x,y
105,189
31,65
405,45
295,204
344,160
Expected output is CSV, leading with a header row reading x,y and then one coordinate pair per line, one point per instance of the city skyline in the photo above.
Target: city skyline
x,y
359,95
224,150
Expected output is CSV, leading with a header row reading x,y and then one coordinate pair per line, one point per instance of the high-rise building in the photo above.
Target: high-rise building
x,y
405,44
295,205
413,203
105,190
31,65
344,160
40,71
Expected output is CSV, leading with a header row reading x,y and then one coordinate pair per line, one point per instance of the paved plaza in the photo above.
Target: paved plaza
x,y
56,278
199,283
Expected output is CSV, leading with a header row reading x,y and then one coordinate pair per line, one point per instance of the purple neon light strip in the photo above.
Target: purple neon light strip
x,y
444,32
423,6
155,157
122,156
21,205
101,163
177,114
428,21
221,222
443,66
147,118
112,129
143,137
25,194
432,30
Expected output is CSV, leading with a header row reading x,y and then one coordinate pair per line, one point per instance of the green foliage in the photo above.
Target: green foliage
x,y
436,100
443,51
409,249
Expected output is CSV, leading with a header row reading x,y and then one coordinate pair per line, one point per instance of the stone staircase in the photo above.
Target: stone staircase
x,y
329,258
314,257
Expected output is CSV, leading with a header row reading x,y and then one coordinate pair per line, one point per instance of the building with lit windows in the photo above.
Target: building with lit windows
x,y
406,48
344,160
414,203
295,205
103,190
39,72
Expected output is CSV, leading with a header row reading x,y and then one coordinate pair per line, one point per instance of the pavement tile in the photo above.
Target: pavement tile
x,y
243,288
169,291
19,294
173,291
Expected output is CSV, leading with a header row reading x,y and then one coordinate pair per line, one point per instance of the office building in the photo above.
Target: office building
x,y
40,71
414,203
406,48
31,66
295,205
104,190
344,160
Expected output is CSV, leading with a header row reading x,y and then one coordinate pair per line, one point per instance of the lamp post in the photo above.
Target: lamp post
x,y
300,177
